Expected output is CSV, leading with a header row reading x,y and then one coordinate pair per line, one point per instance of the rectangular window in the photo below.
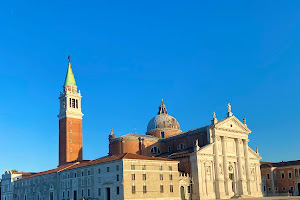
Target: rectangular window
x,y
144,177
133,189
63,194
161,177
282,175
89,192
99,171
107,169
171,177
171,188
118,190
73,103
76,103
169,149
117,177
144,167
161,188
99,191
75,174
268,176
132,167
82,173
189,189
89,172
117,167
133,177
68,194
144,189
70,102
290,174
82,193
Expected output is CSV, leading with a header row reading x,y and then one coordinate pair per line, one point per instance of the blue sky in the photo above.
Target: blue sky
x,y
127,55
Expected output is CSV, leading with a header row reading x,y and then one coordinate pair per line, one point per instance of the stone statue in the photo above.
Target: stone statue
x,y
244,120
229,108
214,115
229,113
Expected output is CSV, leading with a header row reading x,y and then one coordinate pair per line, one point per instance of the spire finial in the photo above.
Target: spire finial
x,y
135,131
256,150
70,80
162,108
244,120
111,135
229,113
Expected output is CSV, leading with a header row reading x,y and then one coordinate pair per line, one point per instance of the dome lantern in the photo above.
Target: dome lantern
x,y
163,124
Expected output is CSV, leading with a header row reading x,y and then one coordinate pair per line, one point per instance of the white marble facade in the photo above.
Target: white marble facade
x,y
226,167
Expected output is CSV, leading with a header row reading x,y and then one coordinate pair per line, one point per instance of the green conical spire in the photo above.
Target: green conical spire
x,y
70,80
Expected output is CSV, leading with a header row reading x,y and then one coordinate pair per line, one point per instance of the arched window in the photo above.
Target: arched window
x,y
181,146
155,150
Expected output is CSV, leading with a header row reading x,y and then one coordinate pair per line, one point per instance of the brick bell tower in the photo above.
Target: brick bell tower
x,y
70,121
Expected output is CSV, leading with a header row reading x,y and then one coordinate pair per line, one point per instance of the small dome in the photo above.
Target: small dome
x,y
163,121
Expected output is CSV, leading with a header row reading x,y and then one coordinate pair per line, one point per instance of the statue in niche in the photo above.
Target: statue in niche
x,y
208,170
252,171
230,168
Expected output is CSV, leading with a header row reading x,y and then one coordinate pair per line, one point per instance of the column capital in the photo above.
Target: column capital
x,y
246,140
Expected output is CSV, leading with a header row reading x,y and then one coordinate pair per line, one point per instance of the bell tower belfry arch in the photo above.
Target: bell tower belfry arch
x,y
70,120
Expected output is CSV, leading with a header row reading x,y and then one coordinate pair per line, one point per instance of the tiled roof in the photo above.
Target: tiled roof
x,y
97,161
172,154
60,168
280,164
24,173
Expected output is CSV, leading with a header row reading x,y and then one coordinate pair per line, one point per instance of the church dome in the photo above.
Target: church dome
x,y
163,122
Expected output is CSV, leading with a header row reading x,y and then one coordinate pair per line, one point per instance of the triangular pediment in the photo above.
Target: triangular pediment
x,y
232,124
208,149
253,154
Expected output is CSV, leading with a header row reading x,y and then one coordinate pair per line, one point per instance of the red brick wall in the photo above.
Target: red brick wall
x,y
167,133
278,181
65,155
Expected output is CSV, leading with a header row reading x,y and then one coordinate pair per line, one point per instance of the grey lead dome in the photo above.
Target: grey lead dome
x,y
163,121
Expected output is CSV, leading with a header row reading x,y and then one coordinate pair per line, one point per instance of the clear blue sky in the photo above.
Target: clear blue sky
x,y
127,55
